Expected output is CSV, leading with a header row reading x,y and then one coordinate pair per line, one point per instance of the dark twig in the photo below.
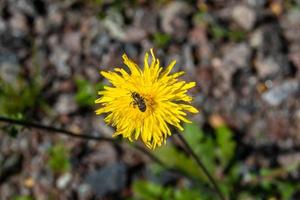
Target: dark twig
x,y
202,166
81,136
53,129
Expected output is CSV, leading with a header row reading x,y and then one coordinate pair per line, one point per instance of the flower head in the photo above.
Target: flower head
x,y
143,103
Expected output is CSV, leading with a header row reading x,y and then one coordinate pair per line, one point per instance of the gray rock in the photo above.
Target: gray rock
x,y
11,166
56,17
272,66
18,25
235,57
291,25
107,179
114,23
3,25
271,43
188,60
72,41
146,19
267,66
40,25
134,34
244,16
238,55
65,104
173,18
279,93
256,38
63,180
24,6
257,3
99,42
84,190
9,67
59,57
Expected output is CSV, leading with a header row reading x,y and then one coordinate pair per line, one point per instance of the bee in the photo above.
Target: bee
x,y
139,101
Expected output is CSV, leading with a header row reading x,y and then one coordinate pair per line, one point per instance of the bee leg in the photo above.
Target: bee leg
x,y
134,104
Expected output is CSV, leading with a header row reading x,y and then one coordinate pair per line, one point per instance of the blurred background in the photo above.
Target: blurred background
x,y
243,55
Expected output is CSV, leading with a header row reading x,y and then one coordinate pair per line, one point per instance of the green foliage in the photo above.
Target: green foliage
x,y
148,191
16,98
23,198
175,158
225,143
86,93
216,30
219,147
201,144
161,39
59,158
219,32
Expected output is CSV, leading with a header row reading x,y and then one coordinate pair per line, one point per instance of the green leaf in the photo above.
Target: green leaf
x,y
146,190
187,194
22,198
203,146
178,160
87,92
236,35
287,189
218,32
226,144
161,39
59,158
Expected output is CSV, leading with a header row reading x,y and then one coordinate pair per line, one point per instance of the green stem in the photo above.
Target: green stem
x,y
202,166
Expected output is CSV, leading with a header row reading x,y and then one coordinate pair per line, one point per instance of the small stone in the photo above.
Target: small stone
x,y
173,18
9,68
29,182
107,179
59,58
72,41
65,104
24,6
279,93
39,25
3,25
10,166
134,34
256,38
188,59
146,19
276,7
98,43
272,66
244,16
84,190
55,17
115,25
18,24
236,57
266,67
297,115
63,180
257,3
288,160
291,25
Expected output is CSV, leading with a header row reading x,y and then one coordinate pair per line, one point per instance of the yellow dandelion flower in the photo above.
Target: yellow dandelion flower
x,y
143,103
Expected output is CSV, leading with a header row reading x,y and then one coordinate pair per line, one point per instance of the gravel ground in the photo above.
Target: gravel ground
x,y
244,56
